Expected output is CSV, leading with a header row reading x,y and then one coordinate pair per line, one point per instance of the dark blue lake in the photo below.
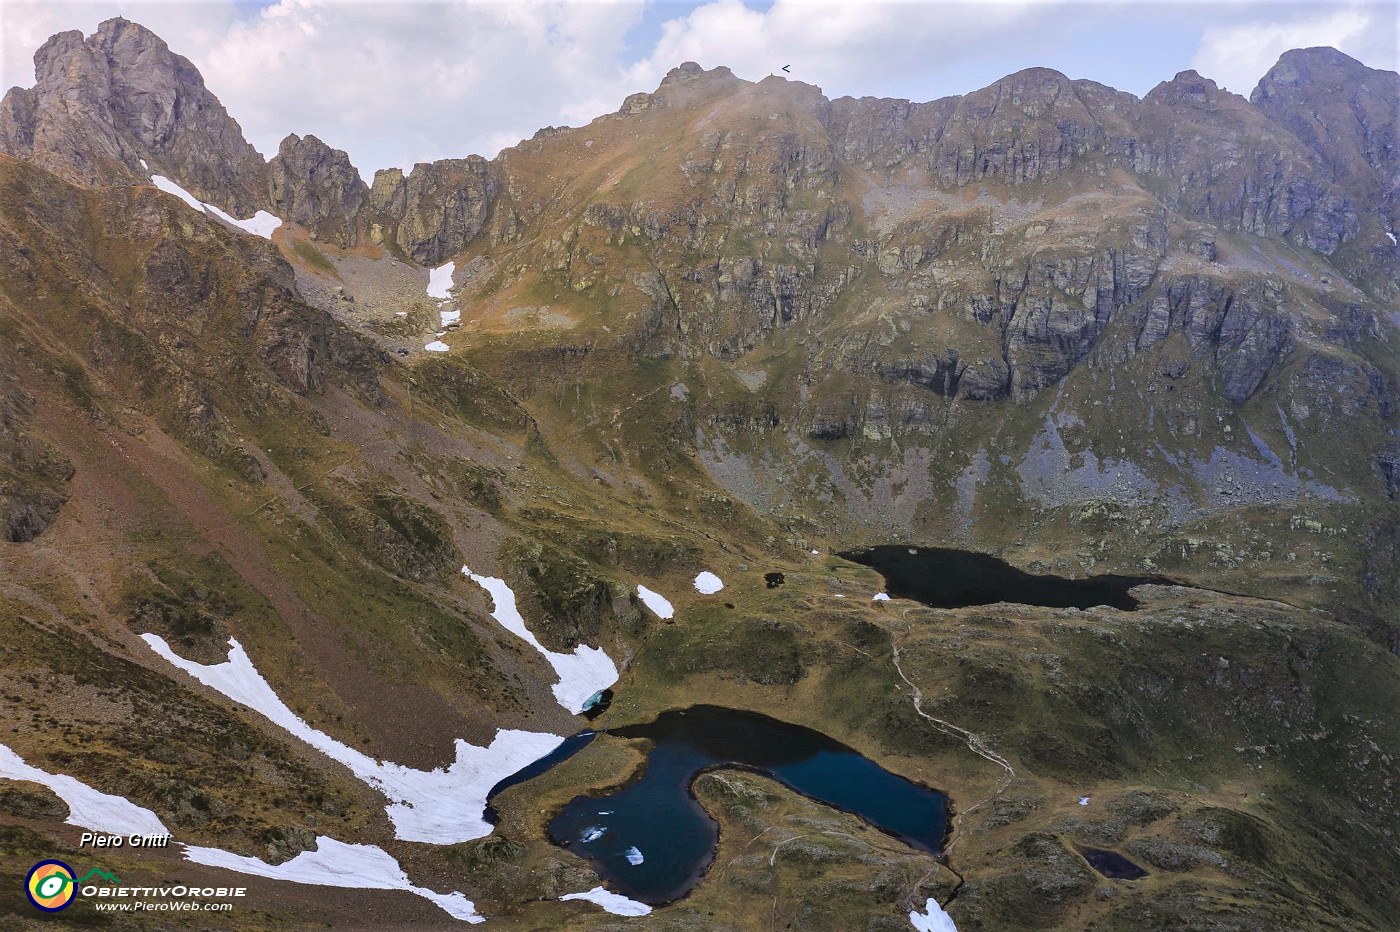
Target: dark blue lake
x,y
944,578
652,840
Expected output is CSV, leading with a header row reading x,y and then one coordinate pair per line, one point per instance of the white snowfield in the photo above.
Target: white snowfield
x,y
932,919
437,346
615,903
332,864
337,864
708,583
439,807
261,223
440,281
581,674
87,807
657,602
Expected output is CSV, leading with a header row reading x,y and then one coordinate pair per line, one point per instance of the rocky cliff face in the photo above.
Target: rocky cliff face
x,y
101,105
903,259
1344,112
315,186
435,210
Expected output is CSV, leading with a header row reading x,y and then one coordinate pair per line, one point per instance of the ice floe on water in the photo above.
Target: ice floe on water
x,y
880,597
332,864
615,903
440,281
708,583
87,807
932,919
634,856
583,673
440,807
655,601
437,346
261,223
337,864
592,833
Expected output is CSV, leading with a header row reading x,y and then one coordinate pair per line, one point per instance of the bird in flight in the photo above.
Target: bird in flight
x,y
787,68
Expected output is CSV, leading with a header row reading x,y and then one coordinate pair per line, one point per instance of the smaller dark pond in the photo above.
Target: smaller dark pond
x,y
943,578
1111,864
652,840
597,704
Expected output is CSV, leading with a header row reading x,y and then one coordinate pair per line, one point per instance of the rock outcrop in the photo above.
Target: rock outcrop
x,y
1345,113
34,475
101,105
316,186
436,209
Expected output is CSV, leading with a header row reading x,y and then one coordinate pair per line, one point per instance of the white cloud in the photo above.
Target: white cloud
x,y
391,83
1237,56
844,47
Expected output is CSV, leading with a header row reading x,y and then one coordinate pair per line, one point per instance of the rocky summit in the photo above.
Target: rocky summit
x,y
729,331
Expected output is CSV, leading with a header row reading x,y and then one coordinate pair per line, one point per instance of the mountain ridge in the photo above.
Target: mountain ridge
x,y
149,119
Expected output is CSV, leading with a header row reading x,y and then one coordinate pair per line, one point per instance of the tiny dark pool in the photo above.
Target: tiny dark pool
x,y
1112,864
652,840
943,578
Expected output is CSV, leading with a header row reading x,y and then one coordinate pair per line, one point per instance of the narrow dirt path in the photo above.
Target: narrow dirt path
x,y
975,743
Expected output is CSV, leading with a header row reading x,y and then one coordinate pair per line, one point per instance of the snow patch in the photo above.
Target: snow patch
x,y
1392,237
880,597
144,166
440,281
932,919
634,856
450,317
170,187
581,674
437,346
261,223
332,864
87,807
337,864
615,903
440,807
708,583
655,601
1083,800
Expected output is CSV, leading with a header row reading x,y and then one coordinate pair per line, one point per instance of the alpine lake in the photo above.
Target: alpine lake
x,y
652,840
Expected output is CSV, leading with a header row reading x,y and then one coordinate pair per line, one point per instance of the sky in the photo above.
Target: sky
x,y
394,83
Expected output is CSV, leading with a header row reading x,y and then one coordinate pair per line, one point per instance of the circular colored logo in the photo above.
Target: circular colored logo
x,y
50,886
